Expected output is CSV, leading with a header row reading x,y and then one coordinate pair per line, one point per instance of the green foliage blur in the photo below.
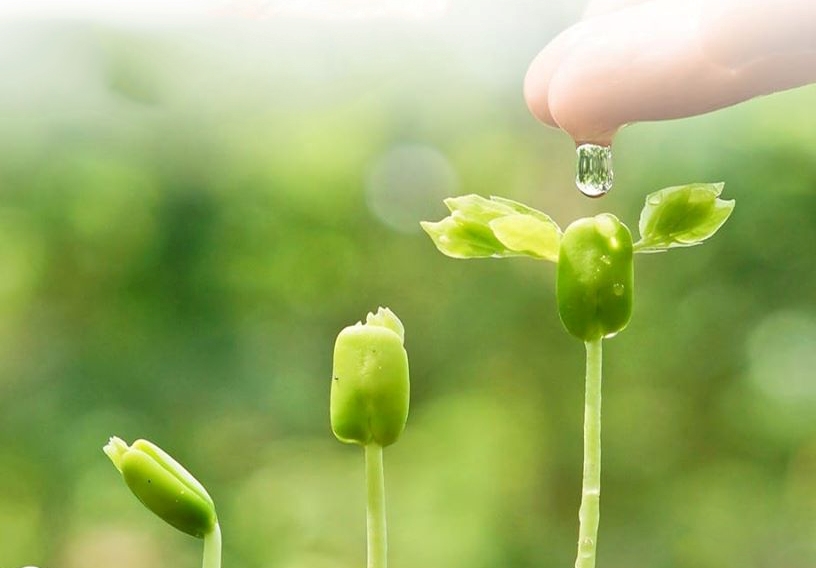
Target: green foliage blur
x,y
188,216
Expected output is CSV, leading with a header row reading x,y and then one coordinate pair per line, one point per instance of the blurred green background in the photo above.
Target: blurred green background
x,y
191,211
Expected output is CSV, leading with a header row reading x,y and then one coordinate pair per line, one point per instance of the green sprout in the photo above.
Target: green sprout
x,y
594,282
169,491
369,406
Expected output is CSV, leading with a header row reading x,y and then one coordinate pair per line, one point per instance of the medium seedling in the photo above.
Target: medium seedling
x,y
170,491
370,393
594,282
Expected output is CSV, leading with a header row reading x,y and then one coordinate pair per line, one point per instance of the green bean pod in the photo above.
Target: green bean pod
x,y
370,386
164,486
595,277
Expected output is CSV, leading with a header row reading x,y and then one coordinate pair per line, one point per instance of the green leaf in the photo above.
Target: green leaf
x,y
480,228
477,208
528,235
521,208
682,216
462,240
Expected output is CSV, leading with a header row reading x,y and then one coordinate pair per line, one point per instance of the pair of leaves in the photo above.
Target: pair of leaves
x,y
680,216
495,227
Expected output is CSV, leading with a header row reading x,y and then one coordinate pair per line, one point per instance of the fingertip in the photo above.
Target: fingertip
x,y
602,7
536,89
541,70
578,111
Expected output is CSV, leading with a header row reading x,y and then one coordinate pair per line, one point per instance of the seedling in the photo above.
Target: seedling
x,y
369,407
594,282
170,491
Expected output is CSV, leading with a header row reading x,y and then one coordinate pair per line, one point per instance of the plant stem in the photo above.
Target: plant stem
x,y
375,508
589,514
212,548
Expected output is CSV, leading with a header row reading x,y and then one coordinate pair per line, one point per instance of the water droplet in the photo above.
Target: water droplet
x,y
607,260
594,176
617,289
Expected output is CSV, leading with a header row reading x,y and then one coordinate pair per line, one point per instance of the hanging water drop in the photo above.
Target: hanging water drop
x,y
594,175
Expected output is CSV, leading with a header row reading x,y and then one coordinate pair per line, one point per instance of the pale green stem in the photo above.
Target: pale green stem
x,y
375,509
212,548
590,512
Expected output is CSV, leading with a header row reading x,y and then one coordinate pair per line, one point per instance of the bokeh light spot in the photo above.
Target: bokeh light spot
x,y
406,185
782,357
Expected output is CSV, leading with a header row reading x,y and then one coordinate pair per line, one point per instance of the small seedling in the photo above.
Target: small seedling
x,y
369,407
170,491
594,282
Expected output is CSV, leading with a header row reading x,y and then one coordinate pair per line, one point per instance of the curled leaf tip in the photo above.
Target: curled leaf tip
x,y
115,449
384,317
